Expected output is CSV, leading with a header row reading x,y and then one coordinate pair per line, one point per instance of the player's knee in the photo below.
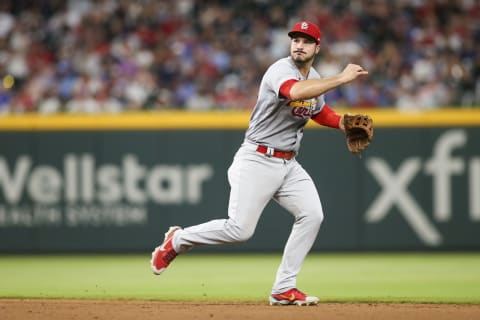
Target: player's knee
x,y
319,216
242,233
315,217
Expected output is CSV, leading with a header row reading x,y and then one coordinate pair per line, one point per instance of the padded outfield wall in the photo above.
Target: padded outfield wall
x,y
110,183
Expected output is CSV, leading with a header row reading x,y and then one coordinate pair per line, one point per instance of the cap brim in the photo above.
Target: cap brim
x,y
293,34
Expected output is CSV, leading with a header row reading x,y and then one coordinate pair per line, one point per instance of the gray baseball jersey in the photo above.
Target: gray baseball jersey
x,y
276,121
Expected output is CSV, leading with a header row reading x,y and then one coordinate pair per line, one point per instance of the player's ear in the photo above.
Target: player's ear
x,y
317,49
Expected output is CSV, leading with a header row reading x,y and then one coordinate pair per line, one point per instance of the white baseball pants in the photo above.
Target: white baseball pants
x,y
255,179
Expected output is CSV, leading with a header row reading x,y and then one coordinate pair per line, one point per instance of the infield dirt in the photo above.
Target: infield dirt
x,y
29,309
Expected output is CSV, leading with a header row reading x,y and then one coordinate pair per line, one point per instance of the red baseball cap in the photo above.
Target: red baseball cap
x,y
306,28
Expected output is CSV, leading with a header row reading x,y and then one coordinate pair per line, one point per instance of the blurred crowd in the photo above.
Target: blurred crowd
x,y
86,56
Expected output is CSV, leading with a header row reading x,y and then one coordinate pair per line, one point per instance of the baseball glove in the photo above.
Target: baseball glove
x,y
358,132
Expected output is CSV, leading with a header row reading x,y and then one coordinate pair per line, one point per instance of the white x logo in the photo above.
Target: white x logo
x,y
394,192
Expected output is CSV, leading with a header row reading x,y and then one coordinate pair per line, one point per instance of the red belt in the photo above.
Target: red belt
x,y
287,155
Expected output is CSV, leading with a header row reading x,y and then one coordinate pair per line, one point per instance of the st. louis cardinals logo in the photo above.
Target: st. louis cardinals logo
x,y
303,109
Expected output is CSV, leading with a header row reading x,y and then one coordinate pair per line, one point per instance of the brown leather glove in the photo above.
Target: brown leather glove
x,y
358,132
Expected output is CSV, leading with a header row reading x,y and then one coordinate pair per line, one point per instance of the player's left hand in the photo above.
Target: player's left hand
x,y
358,131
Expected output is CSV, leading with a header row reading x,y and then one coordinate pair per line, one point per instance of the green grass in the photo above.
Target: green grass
x,y
438,278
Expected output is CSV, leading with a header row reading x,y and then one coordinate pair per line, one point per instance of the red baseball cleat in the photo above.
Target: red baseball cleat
x,y
164,254
292,296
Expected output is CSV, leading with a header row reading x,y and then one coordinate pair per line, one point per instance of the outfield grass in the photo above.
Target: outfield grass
x,y
438,278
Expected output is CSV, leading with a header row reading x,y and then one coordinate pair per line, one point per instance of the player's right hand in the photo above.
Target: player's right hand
x,y
351,72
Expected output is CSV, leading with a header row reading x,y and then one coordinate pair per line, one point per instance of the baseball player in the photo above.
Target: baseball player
x,y
265,166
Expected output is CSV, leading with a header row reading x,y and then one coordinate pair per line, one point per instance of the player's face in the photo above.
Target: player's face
x,y
303,49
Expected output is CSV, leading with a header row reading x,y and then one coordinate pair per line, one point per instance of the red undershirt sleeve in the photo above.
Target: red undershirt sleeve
x,y
327,117
286,86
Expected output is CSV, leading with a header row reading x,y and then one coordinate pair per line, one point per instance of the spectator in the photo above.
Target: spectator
x,y
114,56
